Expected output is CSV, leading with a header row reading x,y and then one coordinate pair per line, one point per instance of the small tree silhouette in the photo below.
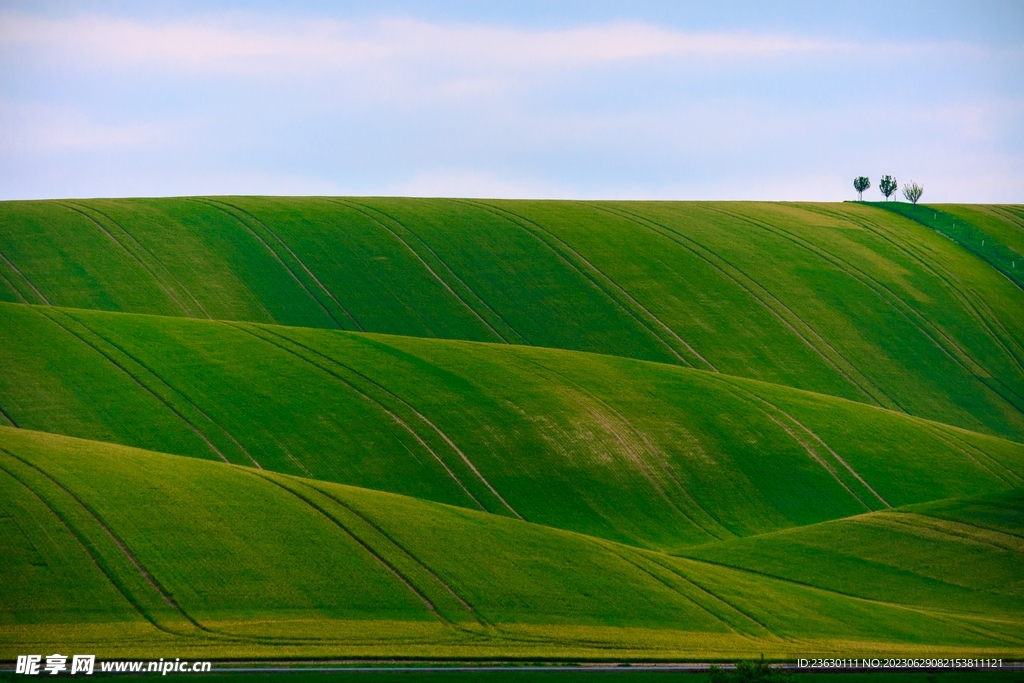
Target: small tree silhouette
x,y
860,184
913,192
888,186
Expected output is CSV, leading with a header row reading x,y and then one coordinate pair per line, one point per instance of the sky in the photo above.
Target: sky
x,y
588,100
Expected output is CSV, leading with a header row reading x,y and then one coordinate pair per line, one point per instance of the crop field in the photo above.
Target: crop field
x,y
248,428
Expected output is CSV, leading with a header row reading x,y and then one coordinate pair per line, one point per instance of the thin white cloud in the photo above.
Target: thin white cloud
x,y
47,129
243,45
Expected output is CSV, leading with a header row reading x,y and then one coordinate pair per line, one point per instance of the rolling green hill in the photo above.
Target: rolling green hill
x,y
250,427
227,561
637,452
843,300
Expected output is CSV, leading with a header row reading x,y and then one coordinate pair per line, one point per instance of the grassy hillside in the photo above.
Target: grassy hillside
x,y
1005,223
845,300
649,454
272,428
231,561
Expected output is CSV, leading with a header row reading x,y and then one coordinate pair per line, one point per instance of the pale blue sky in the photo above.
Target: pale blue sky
x,y
730,100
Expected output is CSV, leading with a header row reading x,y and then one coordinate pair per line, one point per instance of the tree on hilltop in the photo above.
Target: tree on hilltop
x,y
888,186
860,184
913,192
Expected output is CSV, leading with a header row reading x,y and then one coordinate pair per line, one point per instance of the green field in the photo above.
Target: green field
x,y
312,428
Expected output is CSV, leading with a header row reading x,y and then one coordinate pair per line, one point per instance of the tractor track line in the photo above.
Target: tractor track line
x,y
421,416
153,256
365,211
371,400
749,285
521,223
173,390
642,466
300,262
712,595
213,633
616,286
672,588
737,393
8,417
85,547
13,288
965,300
366,546
976,526
916,319
405,550
881,290
970,300
937,528
142,385
276,256
114,537
817,438
962,446
430,250
758,224
812,587
27,281
149,271
965,295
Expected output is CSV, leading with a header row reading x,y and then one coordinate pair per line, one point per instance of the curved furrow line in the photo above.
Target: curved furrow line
x,y
967,297
810,586
174,390
8,417
141,384
156,259
1009,214
889,402
406,551
301,263
918,522
149,271
298,463
669,586
366,211
522,340
211,632
640,464
92,556
27,281
962,444
920,320
154,584
421,416
593,274
636,305
398,420
884,292
13,288
1015,400
752,287
711,594
273,253
976,526
793,435
366,546
817,438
